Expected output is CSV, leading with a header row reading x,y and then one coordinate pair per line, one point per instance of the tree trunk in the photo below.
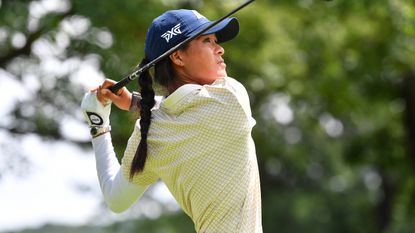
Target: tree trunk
x,y
409,98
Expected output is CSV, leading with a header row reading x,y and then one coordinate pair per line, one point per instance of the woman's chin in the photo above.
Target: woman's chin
x,y
222,74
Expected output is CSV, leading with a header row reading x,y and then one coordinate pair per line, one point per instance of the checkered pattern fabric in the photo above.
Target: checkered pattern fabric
x,y
200,146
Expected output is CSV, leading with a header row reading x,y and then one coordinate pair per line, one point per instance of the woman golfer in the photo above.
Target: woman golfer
x,y
197,139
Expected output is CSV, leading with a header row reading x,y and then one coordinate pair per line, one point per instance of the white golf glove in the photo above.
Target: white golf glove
x,y
96,114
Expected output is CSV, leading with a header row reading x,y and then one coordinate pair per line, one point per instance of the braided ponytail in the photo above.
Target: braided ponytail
x,y
147,103
164,75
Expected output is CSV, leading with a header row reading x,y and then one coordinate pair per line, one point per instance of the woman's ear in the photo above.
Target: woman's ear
x,y
176,58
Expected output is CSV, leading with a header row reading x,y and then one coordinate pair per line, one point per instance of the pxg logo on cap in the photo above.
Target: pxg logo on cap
x,y
173,32
176,29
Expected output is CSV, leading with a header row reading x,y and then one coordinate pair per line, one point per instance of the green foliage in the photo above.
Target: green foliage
x,y
177,223
326,84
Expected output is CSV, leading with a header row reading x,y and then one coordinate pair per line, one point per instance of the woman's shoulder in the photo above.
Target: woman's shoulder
x,y
223,91
228,83
234,88
230,86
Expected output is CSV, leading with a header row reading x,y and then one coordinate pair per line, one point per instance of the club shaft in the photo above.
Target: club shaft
x,y
137,72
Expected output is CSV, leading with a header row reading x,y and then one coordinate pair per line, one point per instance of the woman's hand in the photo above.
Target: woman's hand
x,y
122,99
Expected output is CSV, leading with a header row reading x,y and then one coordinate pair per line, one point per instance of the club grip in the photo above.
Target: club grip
x,y
119,85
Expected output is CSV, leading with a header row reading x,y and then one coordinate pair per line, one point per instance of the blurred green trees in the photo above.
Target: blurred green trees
x,y
331,83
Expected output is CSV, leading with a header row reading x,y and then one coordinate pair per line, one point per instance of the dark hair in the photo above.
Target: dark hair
x,y
165,76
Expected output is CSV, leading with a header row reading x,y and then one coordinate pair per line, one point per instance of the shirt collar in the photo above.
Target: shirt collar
x,y
172,102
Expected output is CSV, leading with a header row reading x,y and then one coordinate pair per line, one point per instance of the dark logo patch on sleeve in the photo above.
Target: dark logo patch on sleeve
x,y
95,118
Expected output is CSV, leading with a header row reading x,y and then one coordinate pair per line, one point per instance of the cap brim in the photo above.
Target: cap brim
x,y
225,30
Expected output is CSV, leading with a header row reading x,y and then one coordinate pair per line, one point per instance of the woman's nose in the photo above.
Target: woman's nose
x,y
220,50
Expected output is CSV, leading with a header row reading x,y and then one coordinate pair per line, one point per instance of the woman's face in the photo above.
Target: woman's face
x,y
201,62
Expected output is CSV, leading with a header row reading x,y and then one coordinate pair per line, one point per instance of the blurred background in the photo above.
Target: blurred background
x,y
331,83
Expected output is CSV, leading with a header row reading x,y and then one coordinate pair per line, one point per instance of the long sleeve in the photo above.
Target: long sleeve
x,y
119,194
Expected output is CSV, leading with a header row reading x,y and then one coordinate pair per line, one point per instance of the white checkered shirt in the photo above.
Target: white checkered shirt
x,y
200,146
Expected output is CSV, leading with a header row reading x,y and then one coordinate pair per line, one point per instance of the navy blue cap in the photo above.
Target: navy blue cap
x,y
175,26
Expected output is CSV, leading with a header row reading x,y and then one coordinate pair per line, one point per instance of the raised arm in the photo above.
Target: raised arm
x,y
118,193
